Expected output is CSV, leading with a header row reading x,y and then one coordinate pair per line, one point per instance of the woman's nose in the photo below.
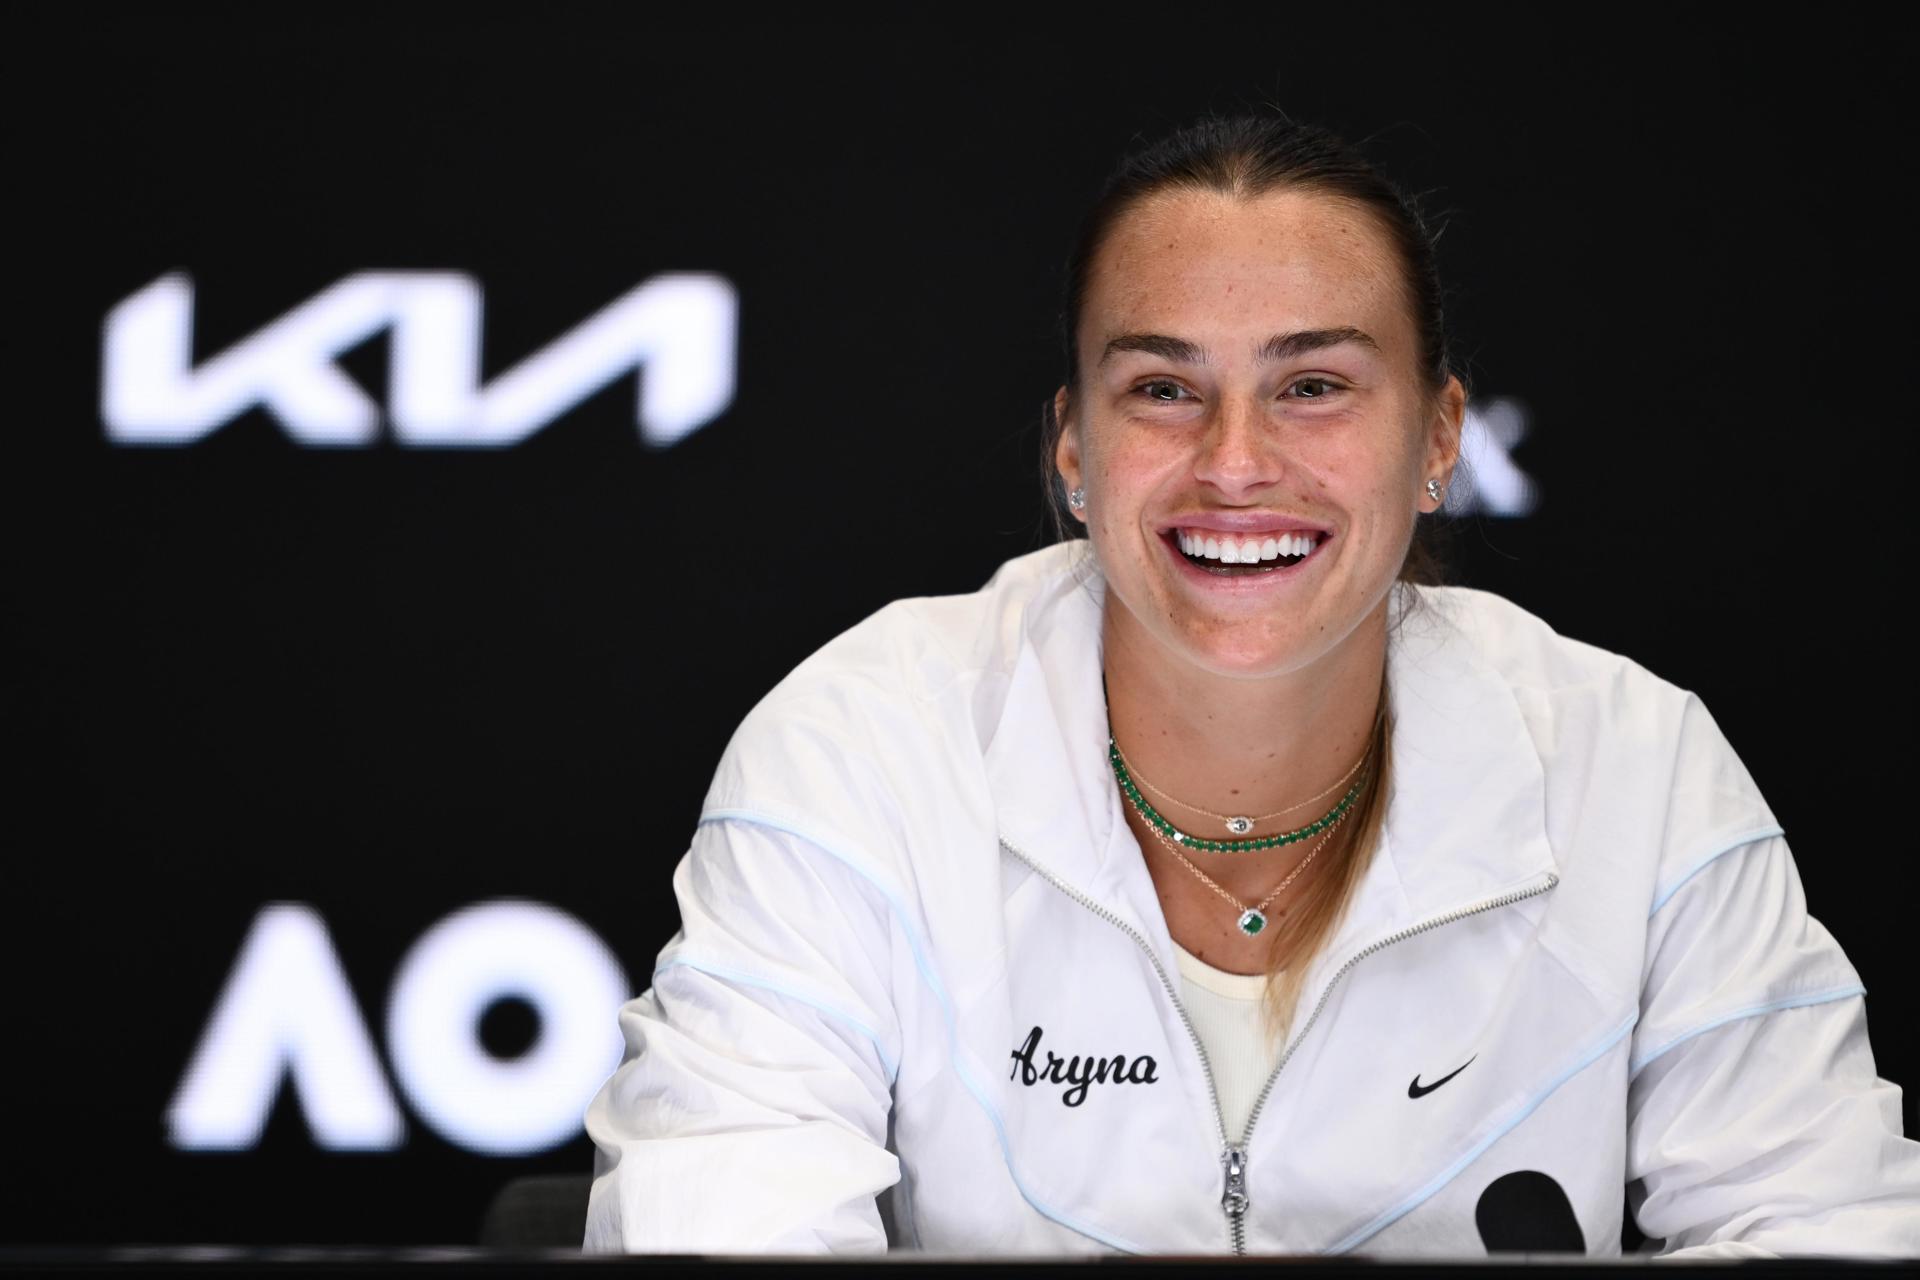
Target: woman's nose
x,y
1241,449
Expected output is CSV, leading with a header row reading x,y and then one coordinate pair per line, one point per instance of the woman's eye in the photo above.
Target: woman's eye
x,y
1160,389
1320,388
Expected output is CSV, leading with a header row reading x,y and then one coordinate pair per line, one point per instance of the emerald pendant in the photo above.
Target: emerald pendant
x,y
1252,922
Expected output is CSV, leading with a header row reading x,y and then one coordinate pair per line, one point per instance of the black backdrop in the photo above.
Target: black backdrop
x,y
388,682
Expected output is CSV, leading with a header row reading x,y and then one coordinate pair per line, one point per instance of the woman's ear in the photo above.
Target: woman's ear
x,y
1066,448
1443,435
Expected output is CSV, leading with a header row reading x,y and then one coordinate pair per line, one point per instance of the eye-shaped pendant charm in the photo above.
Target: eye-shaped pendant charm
x,y
1252,922
1239,826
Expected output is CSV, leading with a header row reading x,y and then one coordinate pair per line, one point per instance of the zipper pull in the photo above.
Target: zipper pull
x,y
1235,1199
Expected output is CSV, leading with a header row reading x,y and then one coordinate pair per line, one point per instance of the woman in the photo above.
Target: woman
x,y
1210,886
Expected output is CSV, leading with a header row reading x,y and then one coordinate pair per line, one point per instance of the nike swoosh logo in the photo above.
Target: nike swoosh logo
x,y
1416,1089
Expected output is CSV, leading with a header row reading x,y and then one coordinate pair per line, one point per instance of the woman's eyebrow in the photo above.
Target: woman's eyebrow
x,y
1285,346
1281,346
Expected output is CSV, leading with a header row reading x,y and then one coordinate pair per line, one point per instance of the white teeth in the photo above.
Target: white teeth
x,y
1228,551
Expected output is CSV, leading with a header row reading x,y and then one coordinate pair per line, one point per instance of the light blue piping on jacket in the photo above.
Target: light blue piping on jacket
x,y
946,1009
1520,1113
1733,842
1772,1006
734,975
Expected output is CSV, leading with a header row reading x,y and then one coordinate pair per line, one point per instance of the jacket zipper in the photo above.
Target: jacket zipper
x,y
1233,1158
1237,1222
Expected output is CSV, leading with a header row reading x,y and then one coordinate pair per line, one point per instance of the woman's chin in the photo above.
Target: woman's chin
x,y
1251,661
1272,648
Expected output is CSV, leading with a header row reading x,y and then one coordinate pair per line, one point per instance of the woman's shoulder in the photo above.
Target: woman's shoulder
x,y
916,647
1526,649
1600,716
1566,686
896,706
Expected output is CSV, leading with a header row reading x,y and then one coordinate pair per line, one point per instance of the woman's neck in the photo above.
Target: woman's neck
x,y
1238,745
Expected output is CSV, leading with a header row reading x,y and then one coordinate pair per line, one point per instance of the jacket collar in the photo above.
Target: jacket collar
x,y
1466,818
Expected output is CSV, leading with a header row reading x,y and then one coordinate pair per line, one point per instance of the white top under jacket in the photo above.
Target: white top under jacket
x,y
1226,1012
924,996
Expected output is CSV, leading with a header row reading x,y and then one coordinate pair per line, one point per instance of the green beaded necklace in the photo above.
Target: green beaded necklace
x,y
1156,820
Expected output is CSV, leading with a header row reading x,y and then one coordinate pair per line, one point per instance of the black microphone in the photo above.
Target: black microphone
x,y
1526,1212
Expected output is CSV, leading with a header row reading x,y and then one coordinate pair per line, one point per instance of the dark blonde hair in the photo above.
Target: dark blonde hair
x,y
1249,156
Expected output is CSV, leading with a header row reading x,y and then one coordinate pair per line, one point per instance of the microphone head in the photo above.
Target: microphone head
x,y
1527,1212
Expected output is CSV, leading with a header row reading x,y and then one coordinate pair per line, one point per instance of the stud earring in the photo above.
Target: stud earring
x,y
1434,491
1077,499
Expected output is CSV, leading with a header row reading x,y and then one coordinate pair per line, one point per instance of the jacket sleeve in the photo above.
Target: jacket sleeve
x,y
750,1111
1756,1123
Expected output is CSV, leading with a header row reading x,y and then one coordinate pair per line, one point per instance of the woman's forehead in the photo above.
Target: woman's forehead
x,y
1218,262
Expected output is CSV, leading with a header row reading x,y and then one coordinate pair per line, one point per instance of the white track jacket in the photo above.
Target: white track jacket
x,y
924,996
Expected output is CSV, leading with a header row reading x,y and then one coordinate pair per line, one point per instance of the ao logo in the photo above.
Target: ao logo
x,y
679,329
287,1011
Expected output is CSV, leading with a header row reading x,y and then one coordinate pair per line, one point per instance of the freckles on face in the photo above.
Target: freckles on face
x,y
1256,358
1233,265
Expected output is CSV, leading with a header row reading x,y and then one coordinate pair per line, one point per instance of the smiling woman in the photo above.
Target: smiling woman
x,y
1371,914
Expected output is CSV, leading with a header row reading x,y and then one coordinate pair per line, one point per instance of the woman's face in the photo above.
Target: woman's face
x,y
1250,387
